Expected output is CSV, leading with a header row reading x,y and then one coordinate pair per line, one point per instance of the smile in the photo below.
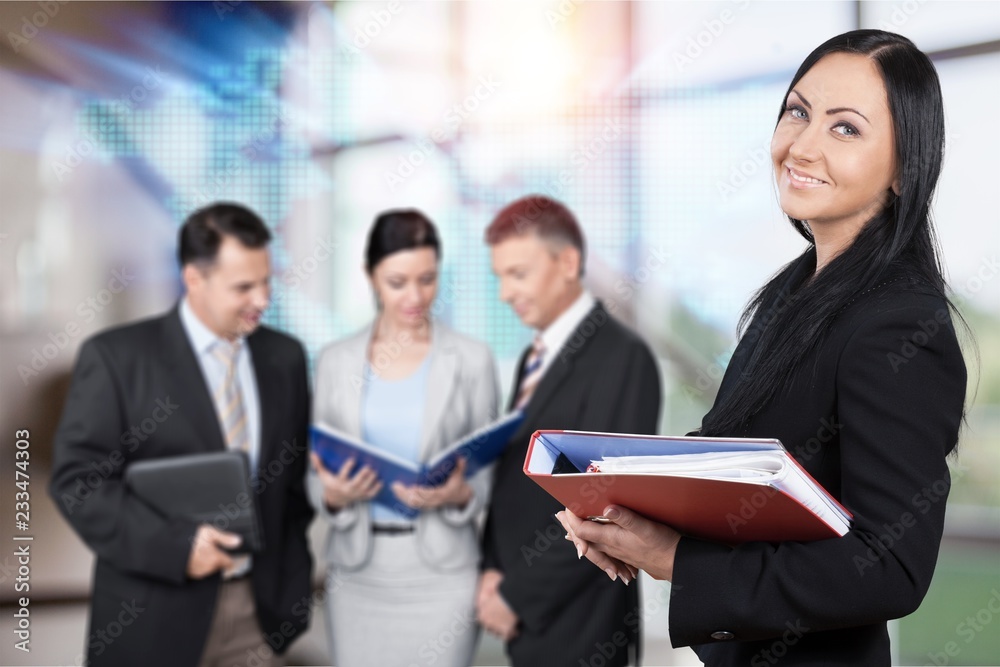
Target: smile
x,y
798,177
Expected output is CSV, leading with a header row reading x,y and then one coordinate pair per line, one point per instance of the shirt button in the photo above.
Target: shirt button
x,y
722,635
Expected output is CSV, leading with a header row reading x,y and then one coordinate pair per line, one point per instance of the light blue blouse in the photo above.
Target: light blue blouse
x,y
392,418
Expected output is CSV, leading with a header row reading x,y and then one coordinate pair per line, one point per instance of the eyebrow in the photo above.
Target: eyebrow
x,y
830,112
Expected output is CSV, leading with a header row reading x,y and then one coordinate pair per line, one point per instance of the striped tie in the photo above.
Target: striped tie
x,y
233,418
229,399
532,373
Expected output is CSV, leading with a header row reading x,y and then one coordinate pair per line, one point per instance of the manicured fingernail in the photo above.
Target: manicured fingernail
x,y
611,574
626,579
568,537
579,552
612,513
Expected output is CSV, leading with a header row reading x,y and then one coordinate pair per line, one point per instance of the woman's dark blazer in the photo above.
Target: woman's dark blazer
x,y
871,414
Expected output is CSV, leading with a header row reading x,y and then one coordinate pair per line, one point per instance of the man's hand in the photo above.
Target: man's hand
x,y
340,489
455,491
207,556
492,610
629,542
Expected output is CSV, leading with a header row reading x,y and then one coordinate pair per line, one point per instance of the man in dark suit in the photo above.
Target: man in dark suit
x,y
201,378
585,371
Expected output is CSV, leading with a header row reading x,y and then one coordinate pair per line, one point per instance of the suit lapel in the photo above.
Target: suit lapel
x,y
185,377
550,382
441,381
517,379
560,369
355,379
267,386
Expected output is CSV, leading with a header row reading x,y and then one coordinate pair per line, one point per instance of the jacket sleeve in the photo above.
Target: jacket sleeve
x,y
900,392
626,399
484,399
117,526
324,411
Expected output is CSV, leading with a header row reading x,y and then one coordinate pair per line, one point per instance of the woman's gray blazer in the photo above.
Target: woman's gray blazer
x,y
462,396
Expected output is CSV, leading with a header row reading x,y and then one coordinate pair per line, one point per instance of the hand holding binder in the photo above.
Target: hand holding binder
x,y
729,490
480,449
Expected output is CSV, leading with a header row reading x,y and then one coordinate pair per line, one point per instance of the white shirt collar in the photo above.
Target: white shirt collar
x,y
557,333
201,337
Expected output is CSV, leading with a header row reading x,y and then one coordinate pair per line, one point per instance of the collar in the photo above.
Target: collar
x,y
201,337
557,333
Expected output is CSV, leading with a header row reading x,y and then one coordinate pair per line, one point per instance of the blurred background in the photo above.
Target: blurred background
x,y
651,120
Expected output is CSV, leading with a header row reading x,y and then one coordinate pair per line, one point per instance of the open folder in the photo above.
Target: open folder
x,y
729,490
480,449
212,488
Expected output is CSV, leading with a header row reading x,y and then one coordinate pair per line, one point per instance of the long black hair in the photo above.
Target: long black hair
x,y
898,240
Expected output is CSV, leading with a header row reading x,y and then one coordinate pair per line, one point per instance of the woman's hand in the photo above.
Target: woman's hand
x,y
340,489
455,491
629,540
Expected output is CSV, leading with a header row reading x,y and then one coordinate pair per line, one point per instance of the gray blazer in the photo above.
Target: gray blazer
x,y
462,396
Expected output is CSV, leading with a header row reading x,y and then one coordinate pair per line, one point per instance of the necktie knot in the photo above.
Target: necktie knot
x,y
536,357
532,372
227,353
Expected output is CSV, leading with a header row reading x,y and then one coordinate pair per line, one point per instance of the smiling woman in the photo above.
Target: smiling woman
x,y
833,152
856,151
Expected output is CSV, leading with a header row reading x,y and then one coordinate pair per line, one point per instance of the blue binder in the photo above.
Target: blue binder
x,y
480,449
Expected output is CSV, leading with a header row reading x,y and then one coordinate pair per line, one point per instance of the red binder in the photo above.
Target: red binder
x,y
723,510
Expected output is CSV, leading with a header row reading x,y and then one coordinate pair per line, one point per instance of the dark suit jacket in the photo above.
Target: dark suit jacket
x,y
138,393
871,414
604,379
